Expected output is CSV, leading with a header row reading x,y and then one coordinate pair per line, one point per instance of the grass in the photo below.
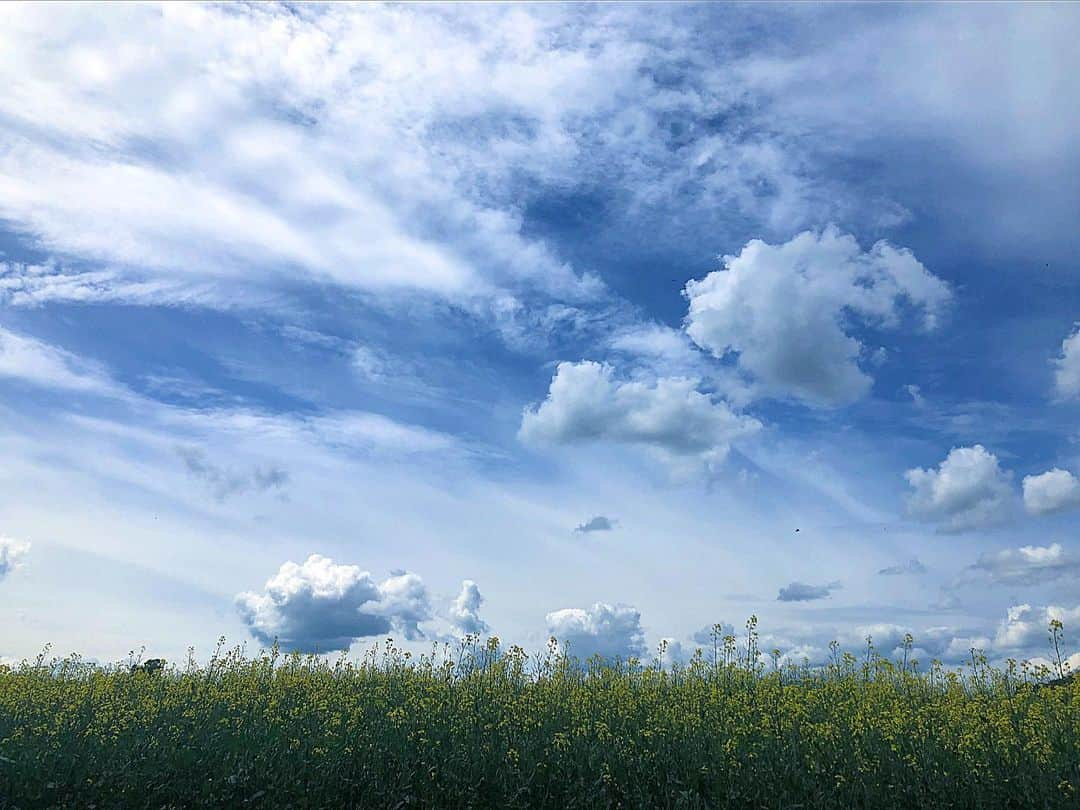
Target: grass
x,y
484,727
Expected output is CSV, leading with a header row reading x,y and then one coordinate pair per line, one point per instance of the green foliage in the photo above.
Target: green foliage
x,y
483,727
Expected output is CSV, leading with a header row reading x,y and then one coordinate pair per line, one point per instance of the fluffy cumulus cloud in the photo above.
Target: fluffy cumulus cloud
x,y
11,554
611,631
1028,565
585,403
403,599
801,592
1052,491
910,567
322,606
968,490
596,524
1067,367
464,611
785,312
1025,629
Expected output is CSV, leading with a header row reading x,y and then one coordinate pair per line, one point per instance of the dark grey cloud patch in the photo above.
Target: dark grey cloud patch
x,y
224,482
910,567
269,478
600,523
801,592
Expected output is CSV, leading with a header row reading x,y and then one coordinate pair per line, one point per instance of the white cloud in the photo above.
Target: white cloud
x,y
1067,374
42,364
917,399
653,350
671,417
403,598
320,605
353,145
785,311
357,144
369,363
801,592
359,432
373,432
169,223
655,340
205,154
611,631
464,611
1052,491
1026,628
31,285
967,491
239,148
1028,565
11,553
870,87
184,430
665,350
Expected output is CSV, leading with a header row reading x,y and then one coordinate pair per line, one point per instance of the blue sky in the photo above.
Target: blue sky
x,y
607,322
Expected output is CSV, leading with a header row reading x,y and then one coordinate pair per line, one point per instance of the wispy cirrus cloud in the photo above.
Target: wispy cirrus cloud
x,y
42,364
243,160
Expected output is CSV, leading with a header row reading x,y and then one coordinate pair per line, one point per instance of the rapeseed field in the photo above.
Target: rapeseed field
x,y
480,726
